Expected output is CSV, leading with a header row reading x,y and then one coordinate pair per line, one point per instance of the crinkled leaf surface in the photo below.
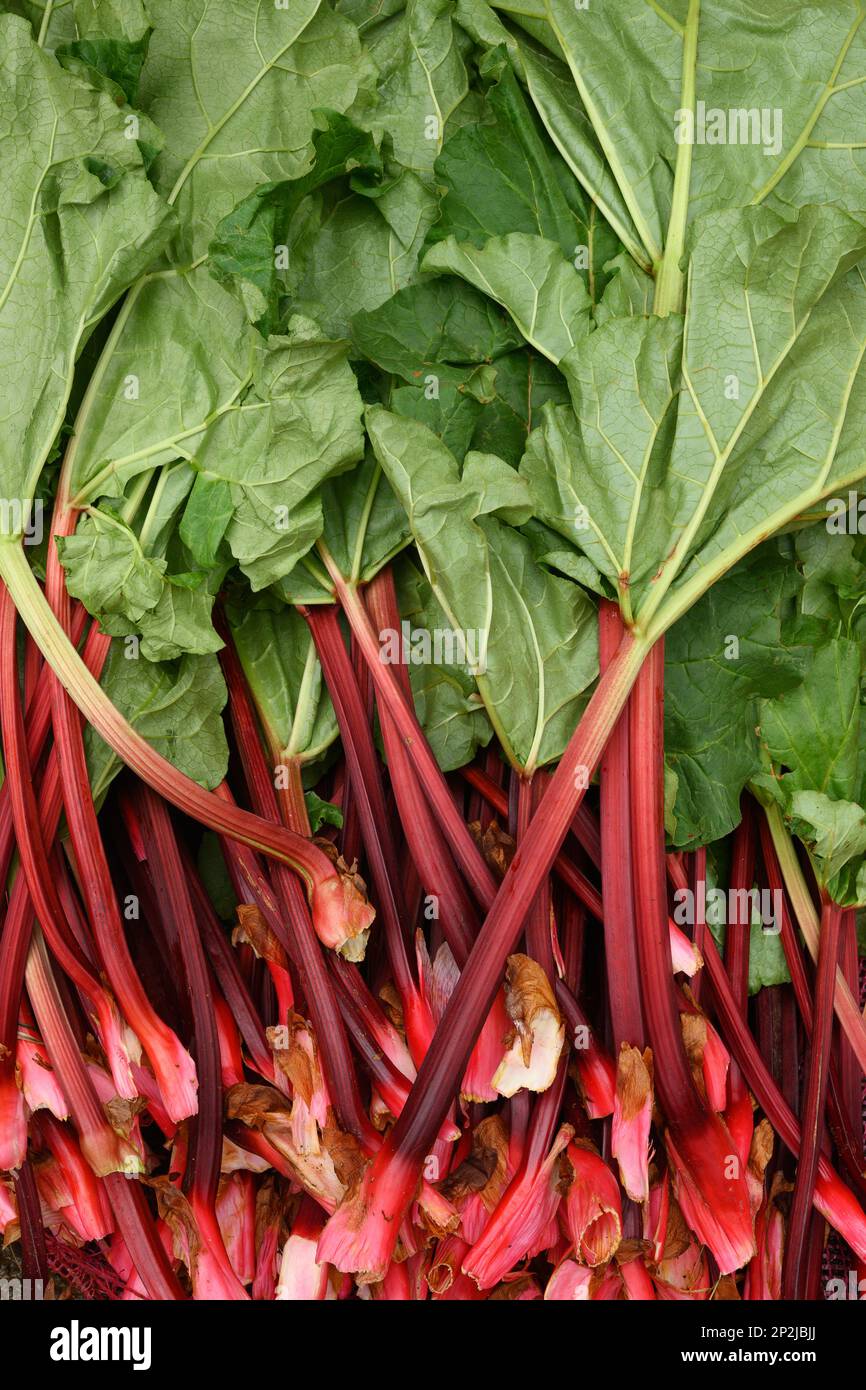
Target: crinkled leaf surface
x,y
423,84
247,245
176,706
502,176
683,452
784,80
532,636
78,223
233,88
721,659
279,660
529,277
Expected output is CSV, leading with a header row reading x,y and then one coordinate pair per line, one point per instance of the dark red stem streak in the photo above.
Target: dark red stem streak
x,y
743,1046
478,876
620,933
34,1257
699,872
742,878
672,1073
815,1097
175,905
539,943
38,724
427,846
33,830
849,1073
565,870
230,980
845,1124
365,780
94,874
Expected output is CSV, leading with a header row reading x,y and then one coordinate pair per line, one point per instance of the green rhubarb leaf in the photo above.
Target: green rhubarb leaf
x,y
52,25
364,528
233,87
112,39
814,731
835,834
779,104
549,84
322,812
263,424
529,277
502,176
297,425
446,700
448,412
279,659
458,353
354,251
184,356
721,660
689,443
422,84
130,592
436,333
79,223
531,636
176,706
523,384
815,738
251,245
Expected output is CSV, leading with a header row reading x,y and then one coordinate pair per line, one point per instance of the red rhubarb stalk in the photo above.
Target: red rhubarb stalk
x,y
202,1175
795,1269
710,1184
620,934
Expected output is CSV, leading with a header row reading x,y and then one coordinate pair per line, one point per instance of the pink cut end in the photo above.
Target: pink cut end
x,y
342,917
712,1191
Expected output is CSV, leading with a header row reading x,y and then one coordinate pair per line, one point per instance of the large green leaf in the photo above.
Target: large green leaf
x,y
683,452
182,356
529,277
530,637
779,109
112,38
79,222
259,465
501,176
279,660
440,330
246,249
131,592
263,424
466,378
357,250
423,84
721,659
176,706
233,88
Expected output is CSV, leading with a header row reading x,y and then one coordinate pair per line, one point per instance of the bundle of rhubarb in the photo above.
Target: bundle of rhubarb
x,y
431,648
